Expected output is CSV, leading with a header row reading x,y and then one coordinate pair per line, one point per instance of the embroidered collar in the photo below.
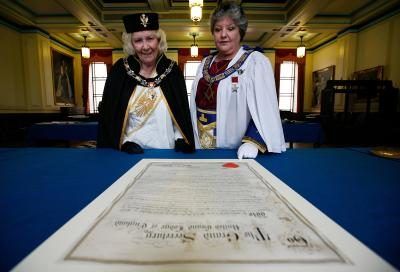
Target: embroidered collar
x,y
227,72
154,83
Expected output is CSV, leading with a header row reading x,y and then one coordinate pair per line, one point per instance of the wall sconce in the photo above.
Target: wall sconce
x,y
195,10
194,49
301,49
85,50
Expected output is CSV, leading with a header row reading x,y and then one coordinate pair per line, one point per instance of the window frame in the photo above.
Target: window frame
x,y
95,94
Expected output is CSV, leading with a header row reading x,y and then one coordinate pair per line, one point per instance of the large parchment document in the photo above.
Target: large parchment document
x,y
202,212
201,215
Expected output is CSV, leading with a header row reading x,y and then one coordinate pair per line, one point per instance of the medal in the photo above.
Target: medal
x,y
235,83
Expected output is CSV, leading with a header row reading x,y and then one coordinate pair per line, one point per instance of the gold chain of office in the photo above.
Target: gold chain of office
x,y
144,82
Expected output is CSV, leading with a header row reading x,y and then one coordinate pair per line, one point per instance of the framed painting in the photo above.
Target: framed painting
x,y
371,90
63,78
375,73
319,80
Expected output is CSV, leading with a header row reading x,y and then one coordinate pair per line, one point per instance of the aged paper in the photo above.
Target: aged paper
x,y
198,215
202,212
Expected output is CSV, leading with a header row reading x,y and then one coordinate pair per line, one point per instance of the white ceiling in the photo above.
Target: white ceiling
x,y
272,24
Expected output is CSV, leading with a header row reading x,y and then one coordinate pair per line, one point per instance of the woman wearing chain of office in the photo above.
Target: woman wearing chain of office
x,y
145,102
234,102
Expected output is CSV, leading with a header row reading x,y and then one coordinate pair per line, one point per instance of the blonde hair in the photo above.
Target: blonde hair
x,y
128,47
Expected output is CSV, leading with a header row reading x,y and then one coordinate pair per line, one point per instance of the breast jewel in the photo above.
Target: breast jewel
x,y
144,82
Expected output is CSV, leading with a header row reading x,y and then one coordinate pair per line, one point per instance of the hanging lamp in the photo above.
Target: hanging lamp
x,y
196,7
85,50
301,49
194,49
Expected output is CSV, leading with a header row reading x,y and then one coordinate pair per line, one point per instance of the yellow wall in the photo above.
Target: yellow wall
x,y
26,72
117,54
271,56
392,70
172,54
12,87
324,57
378,45
373,46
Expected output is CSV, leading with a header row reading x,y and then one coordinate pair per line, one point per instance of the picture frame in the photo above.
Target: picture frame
x,y
63,78
374,73
319,80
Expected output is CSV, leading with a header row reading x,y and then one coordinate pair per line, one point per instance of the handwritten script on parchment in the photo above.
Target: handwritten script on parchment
x,y
193,212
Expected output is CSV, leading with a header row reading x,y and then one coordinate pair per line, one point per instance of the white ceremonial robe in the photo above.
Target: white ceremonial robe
x,y
255,98
158,131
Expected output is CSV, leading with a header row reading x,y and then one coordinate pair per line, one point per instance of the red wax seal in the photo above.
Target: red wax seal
x,y
230,165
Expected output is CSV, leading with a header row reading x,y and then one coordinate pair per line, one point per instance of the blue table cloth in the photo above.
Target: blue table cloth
x,y
42,188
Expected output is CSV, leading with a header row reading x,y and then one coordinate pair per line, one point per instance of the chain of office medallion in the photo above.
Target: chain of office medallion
x,y
144,82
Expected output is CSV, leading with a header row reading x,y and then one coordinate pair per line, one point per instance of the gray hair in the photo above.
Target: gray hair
x,y
233,11
128,47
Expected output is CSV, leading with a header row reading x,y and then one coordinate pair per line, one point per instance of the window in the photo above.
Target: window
x,y
289,76
189,72
288,86
97,80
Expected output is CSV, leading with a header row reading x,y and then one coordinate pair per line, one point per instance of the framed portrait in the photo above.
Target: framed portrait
x,y
319,80
63,78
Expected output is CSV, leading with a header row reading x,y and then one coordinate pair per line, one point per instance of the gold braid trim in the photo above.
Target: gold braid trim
x,y
263,148
173,118
121,138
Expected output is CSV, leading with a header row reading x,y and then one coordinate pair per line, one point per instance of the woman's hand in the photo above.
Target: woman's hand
x,y
132,148
181,145
247,151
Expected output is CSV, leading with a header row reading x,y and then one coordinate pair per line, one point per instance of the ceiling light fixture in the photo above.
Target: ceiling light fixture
x,y
85,50
194,49
196,7
301,49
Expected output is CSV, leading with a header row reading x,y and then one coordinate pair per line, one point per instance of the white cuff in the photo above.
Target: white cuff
x,y
247,151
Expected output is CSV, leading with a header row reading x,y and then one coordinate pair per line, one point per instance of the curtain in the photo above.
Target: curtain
x,y
184,56
96,55
282,55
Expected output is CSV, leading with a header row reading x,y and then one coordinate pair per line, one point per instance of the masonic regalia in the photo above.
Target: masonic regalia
x,y
207,126
206,119
140,107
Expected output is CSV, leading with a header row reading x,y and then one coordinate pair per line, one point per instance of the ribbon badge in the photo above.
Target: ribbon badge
x,y
235,83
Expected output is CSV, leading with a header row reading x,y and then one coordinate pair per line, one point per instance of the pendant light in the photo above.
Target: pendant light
x,y
194,49
196,7
85,50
